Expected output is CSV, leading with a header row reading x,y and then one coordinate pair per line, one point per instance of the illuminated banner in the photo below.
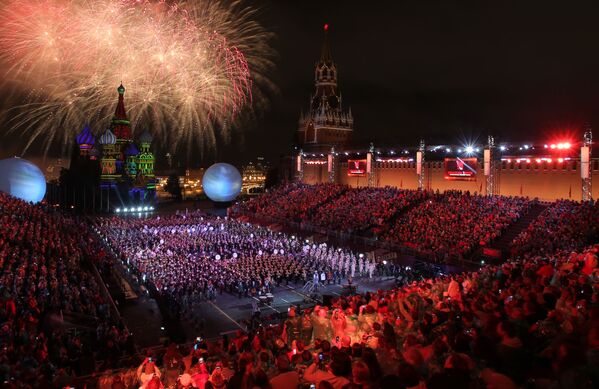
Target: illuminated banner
x,y
585,157
330,162
299,163
356,167
487,162
418,162
369,163
460,169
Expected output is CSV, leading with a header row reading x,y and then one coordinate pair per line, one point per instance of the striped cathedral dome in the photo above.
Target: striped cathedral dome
x,y
108,138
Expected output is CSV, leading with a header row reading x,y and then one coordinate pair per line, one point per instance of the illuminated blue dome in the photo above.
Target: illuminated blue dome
x,y
85,137
222,182
21,178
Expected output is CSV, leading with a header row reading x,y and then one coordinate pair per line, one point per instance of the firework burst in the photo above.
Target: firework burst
x,y
191,69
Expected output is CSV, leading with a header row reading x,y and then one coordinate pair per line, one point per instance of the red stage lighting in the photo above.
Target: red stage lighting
x,y
560,146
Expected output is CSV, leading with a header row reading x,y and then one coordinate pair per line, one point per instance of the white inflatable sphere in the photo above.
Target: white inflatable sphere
x,y
22,179
222,182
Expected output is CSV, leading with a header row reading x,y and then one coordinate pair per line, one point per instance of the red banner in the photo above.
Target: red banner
x,y
356,167
463,169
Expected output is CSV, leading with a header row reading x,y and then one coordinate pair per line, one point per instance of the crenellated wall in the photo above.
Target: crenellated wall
x,y
546,181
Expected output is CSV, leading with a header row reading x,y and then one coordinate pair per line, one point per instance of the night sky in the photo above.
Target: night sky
x,y
522,70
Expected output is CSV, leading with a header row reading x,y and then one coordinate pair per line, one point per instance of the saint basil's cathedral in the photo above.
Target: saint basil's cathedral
x,y
126,166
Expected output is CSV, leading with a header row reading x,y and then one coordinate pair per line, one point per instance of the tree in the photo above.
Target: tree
x,y
173,187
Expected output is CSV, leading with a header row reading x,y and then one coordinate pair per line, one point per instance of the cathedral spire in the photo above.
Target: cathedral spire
x,y
120,113
121,126
325,54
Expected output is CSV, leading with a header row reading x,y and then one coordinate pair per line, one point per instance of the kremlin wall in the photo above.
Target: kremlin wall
x,y
545,181
325,130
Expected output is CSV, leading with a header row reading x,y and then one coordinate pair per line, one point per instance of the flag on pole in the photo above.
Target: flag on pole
x,y
570,192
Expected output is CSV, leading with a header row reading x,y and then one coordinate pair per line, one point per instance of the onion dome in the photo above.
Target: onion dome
x,y
131,150
145,137
108,138
85,137
121,89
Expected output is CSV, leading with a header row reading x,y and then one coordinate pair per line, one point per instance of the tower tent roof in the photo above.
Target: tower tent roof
x,y
121,126
325,53
120,113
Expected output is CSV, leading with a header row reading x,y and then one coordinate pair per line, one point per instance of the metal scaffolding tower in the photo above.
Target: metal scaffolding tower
x,y
585,165
371,163
489,166
332,165
420,164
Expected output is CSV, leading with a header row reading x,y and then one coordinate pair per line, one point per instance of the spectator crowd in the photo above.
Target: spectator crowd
x,y
563,225
528,324
292,202
532,321
47,287
452,224
364,208
444,225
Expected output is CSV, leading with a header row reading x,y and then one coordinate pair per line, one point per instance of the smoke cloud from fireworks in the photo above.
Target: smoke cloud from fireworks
x,y
190,68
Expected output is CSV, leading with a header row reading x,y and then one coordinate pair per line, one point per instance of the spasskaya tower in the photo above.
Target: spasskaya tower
x,y
326,123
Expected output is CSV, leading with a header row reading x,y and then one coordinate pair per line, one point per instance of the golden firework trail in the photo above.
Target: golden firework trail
x,y
190,68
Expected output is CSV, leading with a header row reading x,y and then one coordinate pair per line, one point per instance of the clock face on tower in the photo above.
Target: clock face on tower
x,y
333,102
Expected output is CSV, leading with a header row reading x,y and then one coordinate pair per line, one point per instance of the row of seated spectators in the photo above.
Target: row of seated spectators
x,y
454,223
449,224
531,323
45,280
292,202
363,208
564,225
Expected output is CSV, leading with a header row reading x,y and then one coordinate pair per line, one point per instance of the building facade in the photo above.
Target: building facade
x,y
253,176
126,165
